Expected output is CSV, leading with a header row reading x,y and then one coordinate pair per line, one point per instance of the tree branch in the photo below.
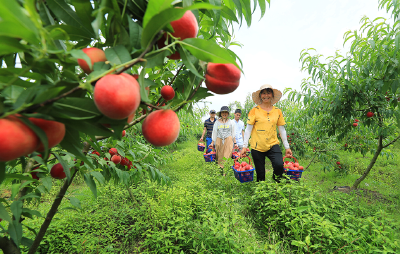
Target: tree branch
x,y
150,105
371,164
392,142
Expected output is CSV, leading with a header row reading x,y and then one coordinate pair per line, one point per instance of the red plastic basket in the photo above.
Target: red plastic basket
x,y
209,157
200,147
244,176
293,174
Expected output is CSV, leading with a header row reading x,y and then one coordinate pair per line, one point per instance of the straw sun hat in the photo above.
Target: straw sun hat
x,y
256,95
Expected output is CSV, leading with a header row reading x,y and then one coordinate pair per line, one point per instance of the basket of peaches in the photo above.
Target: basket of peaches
x,y
244,171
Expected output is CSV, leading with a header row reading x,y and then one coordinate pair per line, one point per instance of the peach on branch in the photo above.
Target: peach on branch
x,y
222,78
117,96
57,171
161,127
116,159
55,131
185,27
16,139
95,55
167,92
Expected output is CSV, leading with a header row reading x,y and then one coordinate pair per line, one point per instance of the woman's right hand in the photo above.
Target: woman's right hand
x,y
244,151
201,139
211,145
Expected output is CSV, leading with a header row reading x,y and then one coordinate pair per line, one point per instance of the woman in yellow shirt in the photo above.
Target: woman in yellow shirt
x,y
262,122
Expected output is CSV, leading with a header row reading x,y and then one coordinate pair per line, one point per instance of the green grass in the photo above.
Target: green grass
x,y
201,211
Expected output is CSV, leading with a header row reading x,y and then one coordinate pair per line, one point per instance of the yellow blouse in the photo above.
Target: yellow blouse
x,y
264,135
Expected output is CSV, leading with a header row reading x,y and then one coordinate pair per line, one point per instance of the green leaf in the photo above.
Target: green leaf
x,y
238,9
156,59
15,232
118,55
135,33
229,14
65,13
75,202
154,7
4,214
26,242
16,209
91,183
10,45
72,144
65,166
28,213
185,58
143,91
47,182
84,10
301,209
99,177
208,51
262,5
38,131
79,54
15,23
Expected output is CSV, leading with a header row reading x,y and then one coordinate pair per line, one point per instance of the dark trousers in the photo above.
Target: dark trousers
x,y
275,156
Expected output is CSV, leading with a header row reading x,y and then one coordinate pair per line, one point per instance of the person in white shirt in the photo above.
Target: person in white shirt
x,y
239,128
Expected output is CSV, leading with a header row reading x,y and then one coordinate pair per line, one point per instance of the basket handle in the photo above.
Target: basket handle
x,y
212,149
290,157
245,157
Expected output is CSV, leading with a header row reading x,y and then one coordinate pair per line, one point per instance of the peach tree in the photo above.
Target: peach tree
x,y
355,96
76,73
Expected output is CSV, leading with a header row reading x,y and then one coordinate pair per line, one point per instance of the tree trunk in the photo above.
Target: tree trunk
x,y
54,208
8,246
371,164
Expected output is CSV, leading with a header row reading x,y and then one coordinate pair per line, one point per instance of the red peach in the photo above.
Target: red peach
x,y
95,55
161,127
370,114
55,131
57,171
116,159
16,139
167,92
222,78
117,96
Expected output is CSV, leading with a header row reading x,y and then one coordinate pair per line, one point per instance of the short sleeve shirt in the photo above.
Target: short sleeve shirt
x,y
209,125
239,127
264,135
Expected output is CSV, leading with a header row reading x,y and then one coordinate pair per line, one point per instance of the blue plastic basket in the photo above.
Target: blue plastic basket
x,y
293,174
244,176
209,157
200,147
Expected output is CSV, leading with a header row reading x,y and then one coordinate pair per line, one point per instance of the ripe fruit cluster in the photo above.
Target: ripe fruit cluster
x,y
118,159
292,166
236,154
243,166
17,139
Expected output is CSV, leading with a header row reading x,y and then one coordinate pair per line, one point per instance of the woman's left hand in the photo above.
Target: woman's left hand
x,y
289,153
236,146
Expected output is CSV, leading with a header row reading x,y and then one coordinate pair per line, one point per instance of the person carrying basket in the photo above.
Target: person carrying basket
x,y
261,125
208,128
223,136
